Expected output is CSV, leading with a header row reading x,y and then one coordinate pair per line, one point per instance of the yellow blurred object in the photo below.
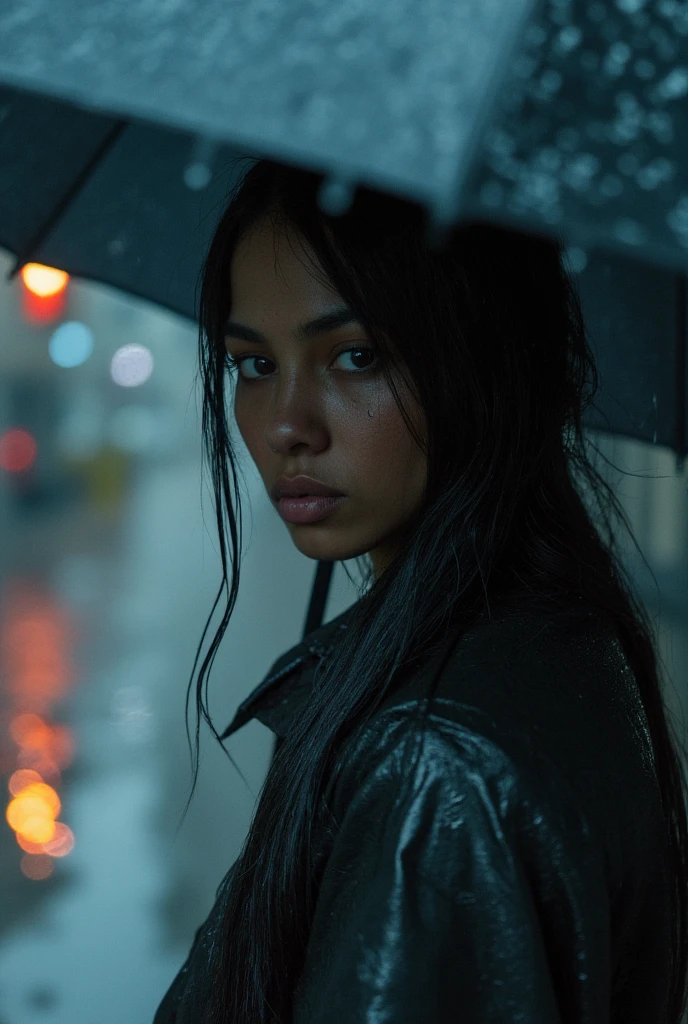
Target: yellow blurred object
x,y
32,815
60,845
106,476
45,793
42,280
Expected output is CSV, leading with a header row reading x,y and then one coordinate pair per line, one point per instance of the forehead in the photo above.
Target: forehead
x,y
270,276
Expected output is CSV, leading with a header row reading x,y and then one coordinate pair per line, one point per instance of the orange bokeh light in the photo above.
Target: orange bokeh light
x,y
36,866
33,813
62,842
39,827
44,792
18,450
29,730
36,760
27,845
43,281
60,845
22,778
35,636
34,643
44,748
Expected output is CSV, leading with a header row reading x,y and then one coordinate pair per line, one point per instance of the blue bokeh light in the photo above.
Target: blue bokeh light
x,y
71,344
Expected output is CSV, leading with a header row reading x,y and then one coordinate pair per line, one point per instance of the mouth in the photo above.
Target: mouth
x,y
302,486
308,508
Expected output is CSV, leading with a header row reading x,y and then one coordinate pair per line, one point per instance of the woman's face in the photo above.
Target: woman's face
x,y
306,405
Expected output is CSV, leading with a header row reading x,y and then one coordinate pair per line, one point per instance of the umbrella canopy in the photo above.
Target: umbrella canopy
x,y
568,113
119,123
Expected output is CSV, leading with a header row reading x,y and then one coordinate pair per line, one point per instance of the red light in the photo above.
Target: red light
x,y
44,292
18,450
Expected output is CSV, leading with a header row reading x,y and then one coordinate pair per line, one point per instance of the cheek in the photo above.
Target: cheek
x,y
247,424
387,449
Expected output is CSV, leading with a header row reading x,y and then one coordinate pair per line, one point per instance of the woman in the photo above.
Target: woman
x,y
476,807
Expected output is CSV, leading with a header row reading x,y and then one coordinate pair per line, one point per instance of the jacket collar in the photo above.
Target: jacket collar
x,y
277,699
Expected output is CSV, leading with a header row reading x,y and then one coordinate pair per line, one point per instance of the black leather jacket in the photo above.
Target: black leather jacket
x,y
526,880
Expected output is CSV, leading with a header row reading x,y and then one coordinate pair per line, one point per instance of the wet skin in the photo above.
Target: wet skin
x,y
307,405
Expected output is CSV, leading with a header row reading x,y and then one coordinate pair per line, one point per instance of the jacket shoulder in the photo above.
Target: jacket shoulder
x,y
552,690
449,884
535,740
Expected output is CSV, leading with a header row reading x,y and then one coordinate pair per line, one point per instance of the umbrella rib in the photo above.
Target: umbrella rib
x,y
681,383
319,592
69,196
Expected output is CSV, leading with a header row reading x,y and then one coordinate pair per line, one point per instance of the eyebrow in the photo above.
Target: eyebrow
x,y
342,316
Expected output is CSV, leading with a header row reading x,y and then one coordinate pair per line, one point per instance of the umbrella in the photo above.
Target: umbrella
x,y
119,122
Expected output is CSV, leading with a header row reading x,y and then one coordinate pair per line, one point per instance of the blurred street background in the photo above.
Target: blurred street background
x,y
108,569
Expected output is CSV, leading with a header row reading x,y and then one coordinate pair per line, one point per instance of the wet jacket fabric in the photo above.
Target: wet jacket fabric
x,y
522,881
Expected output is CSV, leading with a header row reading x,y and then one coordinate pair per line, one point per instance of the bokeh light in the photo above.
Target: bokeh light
x,y
42,280
29,730
32,816
131,365
43,792
71,344
18,450
60,845
41,743
36,866
27,845
34,651
62,842
22,778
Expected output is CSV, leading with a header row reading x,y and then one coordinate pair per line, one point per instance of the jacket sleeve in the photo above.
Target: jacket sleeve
x,y
424,911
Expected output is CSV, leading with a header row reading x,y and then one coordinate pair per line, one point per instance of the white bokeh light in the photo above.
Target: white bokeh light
x,y
131,365
70,344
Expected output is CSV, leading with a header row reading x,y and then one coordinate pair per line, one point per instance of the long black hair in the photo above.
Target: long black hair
x,y
487,329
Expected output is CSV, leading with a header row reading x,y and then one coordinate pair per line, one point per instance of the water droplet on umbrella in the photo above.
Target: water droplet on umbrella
x,y
569,38
661,124
630,231
550,82
677,218
674,85
580,169
197,176
655,173
630,6
117,246
618,53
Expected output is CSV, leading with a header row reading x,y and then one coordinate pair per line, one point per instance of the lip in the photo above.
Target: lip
x,y
308,509
302,486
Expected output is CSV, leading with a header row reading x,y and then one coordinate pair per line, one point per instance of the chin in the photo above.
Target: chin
x,y
327,549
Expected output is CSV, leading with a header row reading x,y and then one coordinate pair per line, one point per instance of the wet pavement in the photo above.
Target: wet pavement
x,y
101,938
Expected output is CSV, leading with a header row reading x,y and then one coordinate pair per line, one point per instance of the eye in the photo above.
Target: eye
x,y
355,354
